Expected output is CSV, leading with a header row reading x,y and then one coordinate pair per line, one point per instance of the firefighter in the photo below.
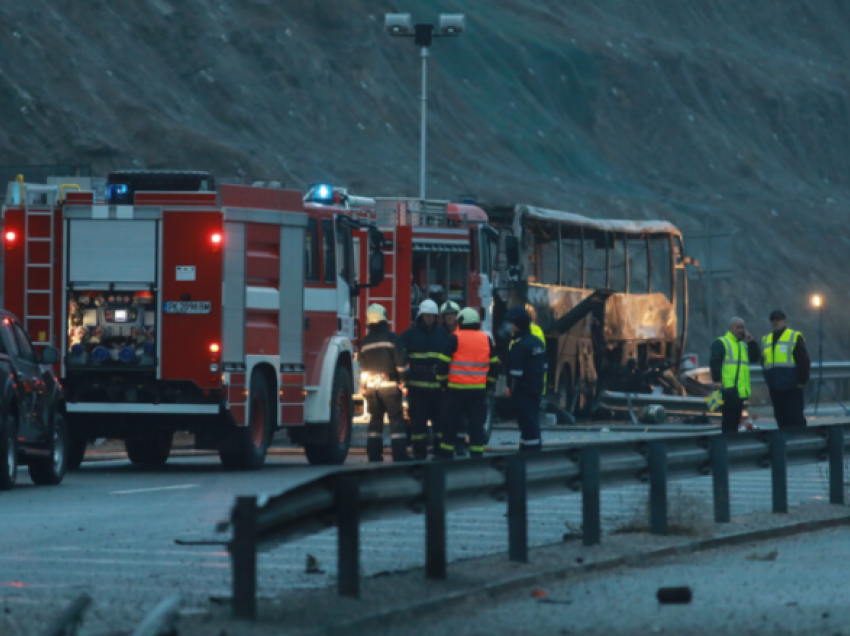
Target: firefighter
x,y
786,370
424,342
526,367
383,372
469,368
448,315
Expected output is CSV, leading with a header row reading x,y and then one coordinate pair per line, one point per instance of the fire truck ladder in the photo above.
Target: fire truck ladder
x,y
39,202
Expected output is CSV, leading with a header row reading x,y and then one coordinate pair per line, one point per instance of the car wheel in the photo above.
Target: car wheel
x,y
335,450
8,453
50,470
76,451
150,451
250,444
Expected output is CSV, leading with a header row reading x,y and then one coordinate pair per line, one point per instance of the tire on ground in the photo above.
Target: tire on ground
x,y
76,449
150,451
249,444
335,450
8,452
50,470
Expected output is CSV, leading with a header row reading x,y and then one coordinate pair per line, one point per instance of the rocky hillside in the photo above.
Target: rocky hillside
x,y
731,114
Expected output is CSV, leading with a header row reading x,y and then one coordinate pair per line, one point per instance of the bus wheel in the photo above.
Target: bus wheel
x,y
335,449
249,444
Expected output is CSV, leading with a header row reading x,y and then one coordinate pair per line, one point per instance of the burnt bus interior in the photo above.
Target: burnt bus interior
x,y
440,273
610,296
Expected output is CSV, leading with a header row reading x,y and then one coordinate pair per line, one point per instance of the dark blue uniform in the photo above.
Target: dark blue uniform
x,y
526,368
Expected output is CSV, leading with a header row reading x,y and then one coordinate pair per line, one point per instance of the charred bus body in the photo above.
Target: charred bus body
x,y
610,297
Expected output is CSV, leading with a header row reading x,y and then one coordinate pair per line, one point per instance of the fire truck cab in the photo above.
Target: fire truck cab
x,y
179,305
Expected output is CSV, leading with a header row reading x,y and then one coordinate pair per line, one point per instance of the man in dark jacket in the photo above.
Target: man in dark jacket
x,y
383,372
731,356
424,342
786,370
525,370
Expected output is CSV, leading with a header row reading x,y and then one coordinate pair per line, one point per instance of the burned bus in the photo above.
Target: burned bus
x,y
610,296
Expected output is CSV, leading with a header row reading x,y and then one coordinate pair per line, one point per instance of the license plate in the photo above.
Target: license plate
x,y
188,307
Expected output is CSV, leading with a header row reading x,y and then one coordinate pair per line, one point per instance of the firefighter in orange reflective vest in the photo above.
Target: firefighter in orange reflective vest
x,y
468,368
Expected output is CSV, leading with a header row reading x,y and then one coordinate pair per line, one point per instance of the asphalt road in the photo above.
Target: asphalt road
x,y
791,586
110,530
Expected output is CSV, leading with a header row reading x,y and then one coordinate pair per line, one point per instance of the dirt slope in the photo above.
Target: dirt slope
x,y
727,112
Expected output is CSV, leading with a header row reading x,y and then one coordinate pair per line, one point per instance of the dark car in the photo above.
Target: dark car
x,y
32,426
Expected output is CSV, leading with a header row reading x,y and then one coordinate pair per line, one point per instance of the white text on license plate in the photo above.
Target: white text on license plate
x,y
188,307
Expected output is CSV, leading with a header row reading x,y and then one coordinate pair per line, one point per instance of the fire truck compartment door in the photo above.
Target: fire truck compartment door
x,y
112,251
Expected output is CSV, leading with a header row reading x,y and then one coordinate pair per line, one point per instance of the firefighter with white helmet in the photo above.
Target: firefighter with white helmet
x,y
424,342
468,368
383,373
448,315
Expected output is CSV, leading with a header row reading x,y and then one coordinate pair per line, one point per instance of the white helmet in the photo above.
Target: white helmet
x,y
428,308
375,314
449,306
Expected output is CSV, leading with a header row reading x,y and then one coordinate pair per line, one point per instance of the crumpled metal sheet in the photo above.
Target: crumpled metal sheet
x,y
606,225
627,317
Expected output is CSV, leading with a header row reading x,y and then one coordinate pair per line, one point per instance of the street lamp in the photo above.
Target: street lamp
x,y
817,303
401,25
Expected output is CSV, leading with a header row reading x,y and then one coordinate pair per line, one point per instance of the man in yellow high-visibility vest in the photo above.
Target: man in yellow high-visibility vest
x,y
731,356
786,370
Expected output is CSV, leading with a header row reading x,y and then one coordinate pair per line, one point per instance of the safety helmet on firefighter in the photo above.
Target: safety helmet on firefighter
x,y
428,308
469,316
375,314
449,306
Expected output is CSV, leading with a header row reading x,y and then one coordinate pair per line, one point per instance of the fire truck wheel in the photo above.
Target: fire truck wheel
x,y
50,470
252,441
76,450
335,450
8,453
150,451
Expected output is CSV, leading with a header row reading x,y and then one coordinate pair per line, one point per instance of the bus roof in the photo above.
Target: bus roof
x,y
605,225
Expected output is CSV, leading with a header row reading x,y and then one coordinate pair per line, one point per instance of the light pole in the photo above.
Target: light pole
x,y
817,303
401,25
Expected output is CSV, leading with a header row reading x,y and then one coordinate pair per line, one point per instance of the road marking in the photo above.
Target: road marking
x,y
133,492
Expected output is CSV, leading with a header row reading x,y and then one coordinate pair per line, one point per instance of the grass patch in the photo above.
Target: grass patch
x,y
687,515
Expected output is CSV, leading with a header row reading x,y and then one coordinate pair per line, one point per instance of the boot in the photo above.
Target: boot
x,y
399,448
375,449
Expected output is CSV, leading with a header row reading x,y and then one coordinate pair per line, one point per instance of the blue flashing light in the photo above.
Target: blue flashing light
x,y
324,192
117,192
76,349
100,354
127,355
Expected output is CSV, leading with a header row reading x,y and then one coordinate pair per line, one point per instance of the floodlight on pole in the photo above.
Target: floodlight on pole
x,y
818,303
402,25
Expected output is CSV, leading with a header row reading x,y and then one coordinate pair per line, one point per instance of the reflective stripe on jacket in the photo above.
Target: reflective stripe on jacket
x,y
780,366
424,347
736,365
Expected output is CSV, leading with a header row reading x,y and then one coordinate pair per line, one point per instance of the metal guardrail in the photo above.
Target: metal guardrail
x,y
347,498
831,371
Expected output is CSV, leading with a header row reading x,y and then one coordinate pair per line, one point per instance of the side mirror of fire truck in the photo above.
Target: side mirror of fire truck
x,y
512,250
376,267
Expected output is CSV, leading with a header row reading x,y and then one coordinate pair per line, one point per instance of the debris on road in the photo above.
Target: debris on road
x,y
680,595
770,556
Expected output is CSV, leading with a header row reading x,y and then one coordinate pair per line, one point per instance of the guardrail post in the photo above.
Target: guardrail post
x,y
435,521
517,509
348,535
243,554
720,478
590,486
779,471
835,447
658,487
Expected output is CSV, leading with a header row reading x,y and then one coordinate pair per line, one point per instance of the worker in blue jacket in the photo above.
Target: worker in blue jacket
x,y
526,368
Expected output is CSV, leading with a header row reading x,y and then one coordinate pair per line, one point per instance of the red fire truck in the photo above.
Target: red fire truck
x,y
177,305
432,249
